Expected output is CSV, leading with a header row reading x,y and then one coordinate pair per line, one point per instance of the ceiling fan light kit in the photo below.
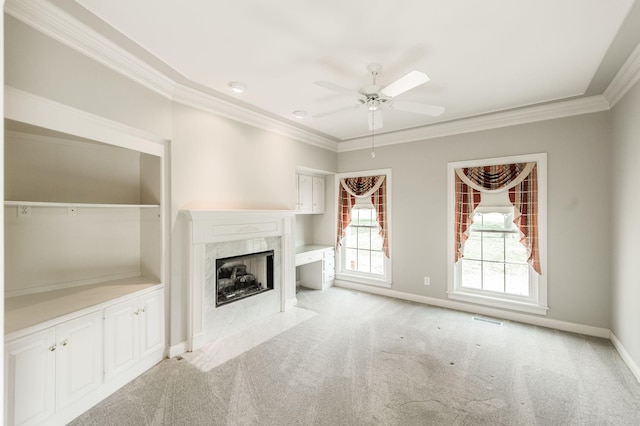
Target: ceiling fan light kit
x,y
374,97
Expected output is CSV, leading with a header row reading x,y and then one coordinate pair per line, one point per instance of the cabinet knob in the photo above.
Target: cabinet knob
x,y
143,310
52,348
65,342
136,312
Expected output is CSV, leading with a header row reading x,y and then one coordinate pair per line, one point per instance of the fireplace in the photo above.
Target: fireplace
x,y
240,270
243,276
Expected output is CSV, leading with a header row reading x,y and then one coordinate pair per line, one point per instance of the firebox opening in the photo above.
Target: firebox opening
x,y
239,277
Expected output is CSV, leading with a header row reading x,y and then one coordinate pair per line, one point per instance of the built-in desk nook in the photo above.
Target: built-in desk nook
x,y
315,266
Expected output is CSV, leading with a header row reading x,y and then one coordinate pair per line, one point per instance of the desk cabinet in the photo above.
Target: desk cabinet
x,y
315,267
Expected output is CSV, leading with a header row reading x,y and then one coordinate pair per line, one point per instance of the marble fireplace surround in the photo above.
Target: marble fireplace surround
x,y
213,234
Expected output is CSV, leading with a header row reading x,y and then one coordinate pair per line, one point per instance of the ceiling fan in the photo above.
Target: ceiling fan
x,y
375,97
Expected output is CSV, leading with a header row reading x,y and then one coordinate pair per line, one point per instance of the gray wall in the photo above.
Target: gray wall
x,y
626,205
579,207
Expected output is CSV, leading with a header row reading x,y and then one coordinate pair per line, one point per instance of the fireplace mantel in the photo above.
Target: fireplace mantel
x,y
238,228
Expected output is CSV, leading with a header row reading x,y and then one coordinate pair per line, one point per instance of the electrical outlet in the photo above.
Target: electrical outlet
x,y
72,211
24,211
427,281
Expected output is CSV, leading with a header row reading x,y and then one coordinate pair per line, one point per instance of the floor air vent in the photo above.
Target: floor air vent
x,y
490,321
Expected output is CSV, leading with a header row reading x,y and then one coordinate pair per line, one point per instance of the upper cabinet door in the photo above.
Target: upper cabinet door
x,y
305,194
318,195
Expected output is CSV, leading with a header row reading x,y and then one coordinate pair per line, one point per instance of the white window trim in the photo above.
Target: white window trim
x,y
362,277
537,303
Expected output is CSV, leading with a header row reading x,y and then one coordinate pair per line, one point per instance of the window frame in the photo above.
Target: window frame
x,y
342,274
536,302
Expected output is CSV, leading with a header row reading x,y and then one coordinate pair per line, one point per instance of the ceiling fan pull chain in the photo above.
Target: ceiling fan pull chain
x,y
373,147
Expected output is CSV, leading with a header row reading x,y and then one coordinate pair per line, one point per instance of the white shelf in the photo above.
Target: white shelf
x,y
89,205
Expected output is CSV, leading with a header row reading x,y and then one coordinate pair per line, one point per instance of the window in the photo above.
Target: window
x,y
363,243
363,231
496,260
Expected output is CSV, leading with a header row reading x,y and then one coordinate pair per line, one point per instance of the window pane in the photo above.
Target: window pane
x,y
473,247
515,251
351,237
493,277
517,279
377,263
471,271
364,261
351,259
364,238
493,246
376,239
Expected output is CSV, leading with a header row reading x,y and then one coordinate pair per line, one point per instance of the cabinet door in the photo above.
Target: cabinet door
x,y
120,337
318,194
30,378
305,194
151,323
78,358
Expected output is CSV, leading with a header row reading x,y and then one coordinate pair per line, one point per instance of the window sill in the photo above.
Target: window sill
x,y
378,282
498,303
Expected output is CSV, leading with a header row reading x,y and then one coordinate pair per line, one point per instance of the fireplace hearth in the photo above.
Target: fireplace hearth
x,y
243,276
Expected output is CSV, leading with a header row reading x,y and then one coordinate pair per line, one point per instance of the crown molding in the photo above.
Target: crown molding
x,y
625,79
486,122
197,99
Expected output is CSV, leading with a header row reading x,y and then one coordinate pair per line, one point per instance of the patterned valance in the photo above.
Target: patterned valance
x,y
494,178
362,186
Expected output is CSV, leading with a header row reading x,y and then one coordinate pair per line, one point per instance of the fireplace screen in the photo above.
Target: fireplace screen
x,y
243,276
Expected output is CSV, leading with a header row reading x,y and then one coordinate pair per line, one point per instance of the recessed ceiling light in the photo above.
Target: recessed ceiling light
x,y
299,114
237,86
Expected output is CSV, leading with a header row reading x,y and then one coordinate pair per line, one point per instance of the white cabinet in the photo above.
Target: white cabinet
x,y
30,378
134,329
310,194
78,358
48,370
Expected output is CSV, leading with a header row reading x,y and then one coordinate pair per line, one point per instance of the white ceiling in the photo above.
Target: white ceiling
x,y
481,56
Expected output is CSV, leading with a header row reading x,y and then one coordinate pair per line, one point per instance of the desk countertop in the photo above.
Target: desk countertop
x,y
312,247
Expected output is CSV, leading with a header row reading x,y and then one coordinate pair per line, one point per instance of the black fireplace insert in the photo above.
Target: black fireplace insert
x,y
243,276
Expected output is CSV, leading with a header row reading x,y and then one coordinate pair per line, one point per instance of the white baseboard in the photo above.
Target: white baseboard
x,y
178,349
497,313
625,356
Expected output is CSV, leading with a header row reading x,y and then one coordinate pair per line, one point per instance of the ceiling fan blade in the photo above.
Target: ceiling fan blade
x,y
425,109
334,111
403,84
336,88
375,120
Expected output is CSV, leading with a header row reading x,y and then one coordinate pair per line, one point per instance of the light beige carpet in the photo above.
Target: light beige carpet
x,y
370,360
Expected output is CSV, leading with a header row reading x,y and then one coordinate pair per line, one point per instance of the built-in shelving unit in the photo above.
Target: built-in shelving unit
x,y
85,259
